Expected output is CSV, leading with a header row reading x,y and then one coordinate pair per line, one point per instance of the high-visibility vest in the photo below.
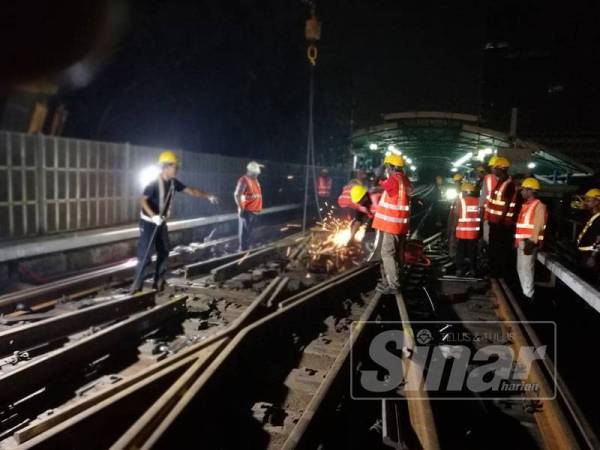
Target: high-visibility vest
x,y
468,219
590,222
393,211
252,195
345,200
525,222
490,181
497,203
323,186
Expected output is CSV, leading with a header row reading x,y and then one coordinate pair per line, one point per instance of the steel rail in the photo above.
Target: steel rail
x,y
150,428
553,425
585,429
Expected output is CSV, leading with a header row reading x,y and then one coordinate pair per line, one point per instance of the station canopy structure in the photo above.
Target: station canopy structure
x,y
450,142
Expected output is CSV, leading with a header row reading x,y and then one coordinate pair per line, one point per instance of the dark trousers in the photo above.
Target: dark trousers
x,y
466,255
162,247
501,249
246,223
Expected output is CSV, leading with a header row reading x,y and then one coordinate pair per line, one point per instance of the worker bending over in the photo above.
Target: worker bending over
x,y
155,205
501,219
366,201
344,201
392,221
588,241
467,231
248,198
529,235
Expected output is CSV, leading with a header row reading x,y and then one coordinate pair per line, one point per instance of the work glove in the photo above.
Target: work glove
x,y
157,220
528,247
213,199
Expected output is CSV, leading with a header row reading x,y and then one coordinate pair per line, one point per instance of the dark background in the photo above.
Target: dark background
x,y
232,77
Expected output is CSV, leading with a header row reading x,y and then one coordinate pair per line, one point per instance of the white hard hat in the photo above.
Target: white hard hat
x,y
254,167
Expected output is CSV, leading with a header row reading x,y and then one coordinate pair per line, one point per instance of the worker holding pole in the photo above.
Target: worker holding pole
x,y
392,222
155,205
248,198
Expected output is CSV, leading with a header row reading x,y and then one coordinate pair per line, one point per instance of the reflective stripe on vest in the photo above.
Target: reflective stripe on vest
x,y
490,181
251,199
392,212
498,202
344,200
587,226
323,186
525,222
468,222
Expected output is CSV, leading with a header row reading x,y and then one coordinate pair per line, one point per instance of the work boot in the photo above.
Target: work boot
x,y
159,285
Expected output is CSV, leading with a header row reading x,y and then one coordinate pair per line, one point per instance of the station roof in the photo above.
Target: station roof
x,y
438,139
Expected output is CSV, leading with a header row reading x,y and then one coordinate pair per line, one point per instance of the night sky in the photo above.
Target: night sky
x,y
232,78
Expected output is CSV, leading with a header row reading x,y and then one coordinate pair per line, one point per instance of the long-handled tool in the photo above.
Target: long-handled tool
x,y
139,273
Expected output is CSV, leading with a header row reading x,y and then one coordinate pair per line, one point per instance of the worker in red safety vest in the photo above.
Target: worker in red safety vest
x,y
344,201
366,201
324,185
248,198
529,235
501,217
485,194
467,228
392,222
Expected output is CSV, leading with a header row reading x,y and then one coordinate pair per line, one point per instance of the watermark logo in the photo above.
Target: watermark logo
x,y
449,360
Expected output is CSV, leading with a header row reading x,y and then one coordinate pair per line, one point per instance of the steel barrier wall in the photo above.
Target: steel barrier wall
x,y
53,184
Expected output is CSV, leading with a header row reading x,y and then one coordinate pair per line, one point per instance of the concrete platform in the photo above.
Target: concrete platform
x,y
578,285
34,247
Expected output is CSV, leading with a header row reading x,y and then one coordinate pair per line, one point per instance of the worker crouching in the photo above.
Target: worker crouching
x,y
248,198
155,205
467,230
392,221
365,201
529,235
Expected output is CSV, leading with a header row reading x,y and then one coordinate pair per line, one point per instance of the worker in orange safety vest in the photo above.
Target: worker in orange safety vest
x,y
324,185
467,222
344,201
392,222
501,218
529,235
485,194
366,201
249,201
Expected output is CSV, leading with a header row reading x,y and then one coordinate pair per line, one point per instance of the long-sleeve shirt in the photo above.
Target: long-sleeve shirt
x,y
391,184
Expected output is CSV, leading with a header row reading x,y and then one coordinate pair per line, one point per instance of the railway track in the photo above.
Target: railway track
x,y
252,351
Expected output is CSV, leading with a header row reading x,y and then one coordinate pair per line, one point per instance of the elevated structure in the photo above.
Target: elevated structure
x,y
440,139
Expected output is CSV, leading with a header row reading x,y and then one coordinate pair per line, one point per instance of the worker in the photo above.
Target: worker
x,y
501,219
392,222
485,194
467,229
450,223
480,173
588,241
324,185
248,198
155,206
344,200
529,235
458,179
366,201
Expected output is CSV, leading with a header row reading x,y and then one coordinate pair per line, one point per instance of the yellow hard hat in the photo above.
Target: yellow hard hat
x,y
502,162
480,169
593,193
357,192
467,187
492,161
394,160
457,177
167,157
530,183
